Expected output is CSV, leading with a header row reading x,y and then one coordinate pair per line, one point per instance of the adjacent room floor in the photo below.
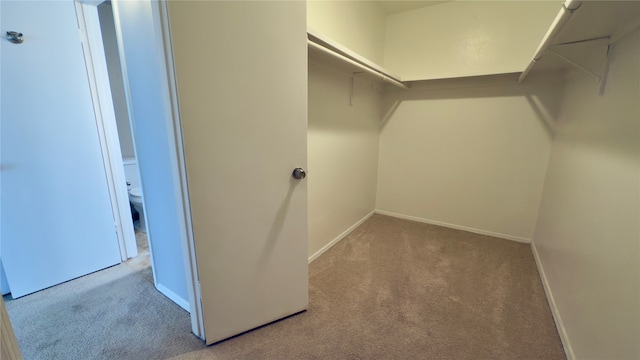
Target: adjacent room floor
x,y
391,289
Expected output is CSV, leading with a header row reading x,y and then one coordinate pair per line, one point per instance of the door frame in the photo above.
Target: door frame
x,y
114,170
161,13
93,49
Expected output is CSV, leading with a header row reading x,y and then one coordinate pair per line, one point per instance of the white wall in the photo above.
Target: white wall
x,y
466,38
342,154
471,153
115,79
358,25
588,236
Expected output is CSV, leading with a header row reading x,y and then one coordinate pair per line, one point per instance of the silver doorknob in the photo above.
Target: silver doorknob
x,y
299,173
15,37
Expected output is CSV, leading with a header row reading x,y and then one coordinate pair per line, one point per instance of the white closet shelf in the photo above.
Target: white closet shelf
x,y
328,51
580,22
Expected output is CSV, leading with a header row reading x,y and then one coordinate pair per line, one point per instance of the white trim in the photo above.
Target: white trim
x,y
340,237
173,296
180,174
92,2
457,227
562,331
560,21
132,124
374,72
327,42
89,23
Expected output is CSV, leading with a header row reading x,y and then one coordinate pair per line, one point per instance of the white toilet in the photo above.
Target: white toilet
x,y
135,197
133,187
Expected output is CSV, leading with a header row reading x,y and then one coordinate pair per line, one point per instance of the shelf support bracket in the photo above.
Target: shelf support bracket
x,y
352,90
602,77
575,64
605,72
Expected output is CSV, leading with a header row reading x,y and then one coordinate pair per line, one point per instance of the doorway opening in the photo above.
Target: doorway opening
x,y
124,138
138,94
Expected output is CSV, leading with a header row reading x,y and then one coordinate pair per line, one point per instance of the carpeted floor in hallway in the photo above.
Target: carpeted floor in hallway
x,y
392,289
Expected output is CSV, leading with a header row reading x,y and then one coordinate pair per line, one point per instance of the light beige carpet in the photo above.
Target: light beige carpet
x,y
393,289
396,289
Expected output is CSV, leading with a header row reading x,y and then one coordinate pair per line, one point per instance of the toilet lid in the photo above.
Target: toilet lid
x,y
136,192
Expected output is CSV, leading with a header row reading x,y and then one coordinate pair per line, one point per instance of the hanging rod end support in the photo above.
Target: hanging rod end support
x,y
572,5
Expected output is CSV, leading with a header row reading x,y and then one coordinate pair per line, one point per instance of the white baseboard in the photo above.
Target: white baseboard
x,y
340,237
568,350
453,226
174,297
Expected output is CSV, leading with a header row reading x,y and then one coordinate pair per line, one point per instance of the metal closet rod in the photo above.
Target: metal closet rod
x,y
568,8
367,69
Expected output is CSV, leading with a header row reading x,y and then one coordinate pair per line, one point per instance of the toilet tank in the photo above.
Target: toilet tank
x,y
131,172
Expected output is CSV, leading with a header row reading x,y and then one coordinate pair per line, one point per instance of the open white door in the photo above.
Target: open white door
x,y
57,221
241,72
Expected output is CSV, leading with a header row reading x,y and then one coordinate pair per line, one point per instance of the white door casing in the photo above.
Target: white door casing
x,y
94,52
57,221
144,65
241,73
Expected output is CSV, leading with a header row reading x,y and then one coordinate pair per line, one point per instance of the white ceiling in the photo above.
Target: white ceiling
x,y
396,6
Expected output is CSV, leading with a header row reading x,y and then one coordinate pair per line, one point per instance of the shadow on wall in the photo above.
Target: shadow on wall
x,y
276,227
542,92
